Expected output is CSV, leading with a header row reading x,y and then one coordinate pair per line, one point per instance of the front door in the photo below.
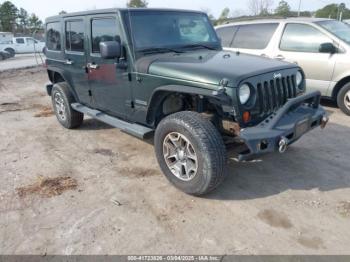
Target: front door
x,y
20,45
75,58
108,81
300,44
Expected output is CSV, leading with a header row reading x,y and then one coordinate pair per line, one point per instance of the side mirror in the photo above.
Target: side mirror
x,y
328,48
110,49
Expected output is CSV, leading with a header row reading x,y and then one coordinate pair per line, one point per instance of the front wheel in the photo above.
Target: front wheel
x,y
190,152
343,99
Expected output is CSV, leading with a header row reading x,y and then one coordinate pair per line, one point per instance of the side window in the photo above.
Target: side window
x,y
20,40
254,36
103,29
75,36
226,35
53,36
302,38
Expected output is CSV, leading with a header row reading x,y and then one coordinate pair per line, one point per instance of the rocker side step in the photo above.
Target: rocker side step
x,y
130,128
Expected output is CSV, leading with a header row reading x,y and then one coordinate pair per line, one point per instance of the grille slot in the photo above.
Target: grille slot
x,y
273,94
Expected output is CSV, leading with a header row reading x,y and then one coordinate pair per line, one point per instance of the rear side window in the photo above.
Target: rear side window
x,y
19,40
75,36
226,35
102,30
53,36
302,38
255,36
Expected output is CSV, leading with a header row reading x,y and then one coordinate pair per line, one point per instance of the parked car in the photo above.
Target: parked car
x,y
164,71
4,55
20,45
320,46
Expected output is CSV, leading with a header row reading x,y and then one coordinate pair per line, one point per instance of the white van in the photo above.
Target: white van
x,y
320,46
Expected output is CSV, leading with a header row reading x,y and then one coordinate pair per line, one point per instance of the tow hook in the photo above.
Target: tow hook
x,y
324,121
283,145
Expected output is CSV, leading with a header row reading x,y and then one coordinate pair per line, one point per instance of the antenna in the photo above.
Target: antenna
x,y
132,40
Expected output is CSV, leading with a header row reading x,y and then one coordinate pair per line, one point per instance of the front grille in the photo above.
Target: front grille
x,y
273,94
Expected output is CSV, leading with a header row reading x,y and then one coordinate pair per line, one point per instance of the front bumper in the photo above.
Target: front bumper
x,y
284,127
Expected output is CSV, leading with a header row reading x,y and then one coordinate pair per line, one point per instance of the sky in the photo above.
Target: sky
x,y
45,8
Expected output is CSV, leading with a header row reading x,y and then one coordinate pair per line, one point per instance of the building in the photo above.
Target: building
x,y
5,37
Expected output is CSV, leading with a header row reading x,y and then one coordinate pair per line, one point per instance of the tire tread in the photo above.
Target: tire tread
x,y
210,138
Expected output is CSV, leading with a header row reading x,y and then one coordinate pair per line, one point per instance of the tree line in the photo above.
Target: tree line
x,y
264,8
18,20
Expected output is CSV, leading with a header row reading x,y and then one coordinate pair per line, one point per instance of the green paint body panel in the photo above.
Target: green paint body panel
x,y
123,89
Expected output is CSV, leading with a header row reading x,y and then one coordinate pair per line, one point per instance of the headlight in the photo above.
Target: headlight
x,y
299,78
244,93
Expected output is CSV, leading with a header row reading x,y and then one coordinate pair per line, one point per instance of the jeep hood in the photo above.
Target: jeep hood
x,y
210,67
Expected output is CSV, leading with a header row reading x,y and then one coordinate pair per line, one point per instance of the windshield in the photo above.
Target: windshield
x,y
166,29
337,28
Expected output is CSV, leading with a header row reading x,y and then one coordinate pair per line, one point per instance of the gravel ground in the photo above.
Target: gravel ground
x,y
96,190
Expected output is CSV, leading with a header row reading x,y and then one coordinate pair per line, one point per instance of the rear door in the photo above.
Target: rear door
x,y
300,44
109,82
75,57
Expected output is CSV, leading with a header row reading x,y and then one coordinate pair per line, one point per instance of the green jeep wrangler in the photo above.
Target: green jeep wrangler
x,y
164,72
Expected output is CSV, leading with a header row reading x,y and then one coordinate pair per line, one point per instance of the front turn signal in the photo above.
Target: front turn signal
x,y
246,117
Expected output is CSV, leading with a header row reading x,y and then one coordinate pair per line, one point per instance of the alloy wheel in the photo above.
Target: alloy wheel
x,y
180,156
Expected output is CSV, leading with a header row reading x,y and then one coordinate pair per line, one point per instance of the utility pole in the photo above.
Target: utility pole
x,y
299,8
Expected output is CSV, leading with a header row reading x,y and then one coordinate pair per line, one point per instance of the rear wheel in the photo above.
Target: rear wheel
x,y
62,99
10,51
190,152
2,57
343,99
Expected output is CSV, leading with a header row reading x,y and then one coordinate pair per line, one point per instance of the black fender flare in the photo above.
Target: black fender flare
x,y
59,71
160,93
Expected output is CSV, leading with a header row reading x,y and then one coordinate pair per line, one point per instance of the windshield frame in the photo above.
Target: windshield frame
x,y
321,24
127,23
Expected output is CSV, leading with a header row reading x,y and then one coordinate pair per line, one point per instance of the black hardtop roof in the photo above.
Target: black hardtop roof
x,y
115,10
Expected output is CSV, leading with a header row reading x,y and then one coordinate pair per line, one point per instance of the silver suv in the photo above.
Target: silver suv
x,y
320,46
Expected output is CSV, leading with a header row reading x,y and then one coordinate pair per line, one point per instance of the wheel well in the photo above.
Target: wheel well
x,y
339,86
10,48
165,103
55,77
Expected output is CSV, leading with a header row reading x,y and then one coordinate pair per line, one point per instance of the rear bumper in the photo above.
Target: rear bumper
x,y
297,117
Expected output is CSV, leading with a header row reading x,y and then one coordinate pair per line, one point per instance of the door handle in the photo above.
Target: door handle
x,y
68,62
280,57
92,66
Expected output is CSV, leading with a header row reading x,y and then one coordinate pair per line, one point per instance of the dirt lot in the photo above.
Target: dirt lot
x,y
96,190
21,61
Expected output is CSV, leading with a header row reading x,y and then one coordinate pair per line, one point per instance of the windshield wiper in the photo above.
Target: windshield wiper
x,y
199,45
159,50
